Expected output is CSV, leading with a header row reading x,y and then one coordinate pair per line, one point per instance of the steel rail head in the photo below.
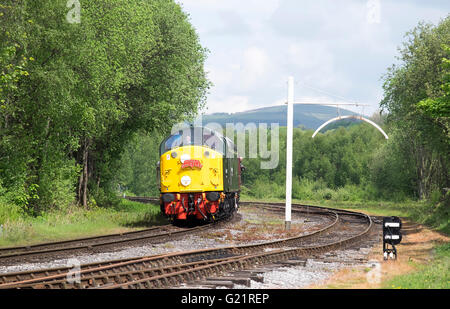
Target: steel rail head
x,y
261,257
103,243
177,259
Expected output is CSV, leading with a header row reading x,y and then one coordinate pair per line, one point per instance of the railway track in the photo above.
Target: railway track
x,y
90,244
343,228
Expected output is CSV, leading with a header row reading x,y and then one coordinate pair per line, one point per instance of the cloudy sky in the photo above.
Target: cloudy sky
x,y
337,51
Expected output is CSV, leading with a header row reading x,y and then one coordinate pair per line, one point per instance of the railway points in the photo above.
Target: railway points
x,y
340,230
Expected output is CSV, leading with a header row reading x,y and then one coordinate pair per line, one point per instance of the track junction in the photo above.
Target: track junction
x,y
340,229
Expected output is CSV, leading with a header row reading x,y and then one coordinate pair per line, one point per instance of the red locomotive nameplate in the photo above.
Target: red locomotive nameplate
x,y
192,164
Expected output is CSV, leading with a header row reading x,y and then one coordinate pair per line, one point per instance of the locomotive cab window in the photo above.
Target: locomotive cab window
x,y
172,142
194,136
213,140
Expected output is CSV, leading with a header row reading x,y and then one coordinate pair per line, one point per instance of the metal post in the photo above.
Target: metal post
x,y
290,125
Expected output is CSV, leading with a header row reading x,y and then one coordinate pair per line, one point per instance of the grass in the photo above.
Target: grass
x,y
433,275
436,215
429,276
74,222
372,207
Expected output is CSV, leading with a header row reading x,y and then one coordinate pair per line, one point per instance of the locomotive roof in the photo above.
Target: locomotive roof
x,y
168,144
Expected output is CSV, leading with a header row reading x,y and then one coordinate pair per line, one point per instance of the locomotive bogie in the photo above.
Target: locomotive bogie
x,y
184,206
193,205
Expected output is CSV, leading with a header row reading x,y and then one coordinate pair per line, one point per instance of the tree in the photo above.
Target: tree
x,y
408,89
75,93
439,108
137,168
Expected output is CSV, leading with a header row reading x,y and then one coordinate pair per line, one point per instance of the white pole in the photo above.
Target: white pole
x,y
290,125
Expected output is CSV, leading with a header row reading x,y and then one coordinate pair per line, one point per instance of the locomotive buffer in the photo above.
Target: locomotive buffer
x,y
391,236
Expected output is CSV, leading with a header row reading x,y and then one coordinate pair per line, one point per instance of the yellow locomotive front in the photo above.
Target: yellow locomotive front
x,y
191,172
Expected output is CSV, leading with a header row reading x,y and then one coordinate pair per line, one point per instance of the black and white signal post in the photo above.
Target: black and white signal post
x,y
391,236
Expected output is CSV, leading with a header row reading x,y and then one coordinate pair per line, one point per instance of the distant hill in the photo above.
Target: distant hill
x,y
307,116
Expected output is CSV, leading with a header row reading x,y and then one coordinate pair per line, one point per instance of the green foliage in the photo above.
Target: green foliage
x,y
75,222
435,212
264,189
416,97
338,157
73,95
434,275
392,169
8,211
337,165
84,106
137,172
439,108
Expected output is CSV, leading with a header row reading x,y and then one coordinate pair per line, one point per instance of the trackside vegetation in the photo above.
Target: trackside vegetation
x,y
355,166
84,106
73,93
434,275
75,222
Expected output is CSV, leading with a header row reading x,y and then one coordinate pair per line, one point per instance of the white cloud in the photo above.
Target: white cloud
x,y
313,62
255,65
331,45
219,76
261,9
229,104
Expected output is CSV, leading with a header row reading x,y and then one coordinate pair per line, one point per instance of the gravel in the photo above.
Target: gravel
x,y
314,272
220,237
230,233
295,277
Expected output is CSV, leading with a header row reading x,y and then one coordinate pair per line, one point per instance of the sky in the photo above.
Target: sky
x,y
336,50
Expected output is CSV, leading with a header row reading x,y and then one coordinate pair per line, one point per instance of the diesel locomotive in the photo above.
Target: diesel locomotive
x,y
200,175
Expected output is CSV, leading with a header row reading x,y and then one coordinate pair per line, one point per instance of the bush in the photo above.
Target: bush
x,y
302,189
327,194
305,189
8,210
343,194
58,178
266,189
434,213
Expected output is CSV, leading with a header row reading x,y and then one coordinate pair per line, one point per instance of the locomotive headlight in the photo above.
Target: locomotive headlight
x,y
185,181
206,154
185,157
174,155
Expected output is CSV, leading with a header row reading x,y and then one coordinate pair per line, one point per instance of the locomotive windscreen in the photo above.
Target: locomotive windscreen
x,y
194,136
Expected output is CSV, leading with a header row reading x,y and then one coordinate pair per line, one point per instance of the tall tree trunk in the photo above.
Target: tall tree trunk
x,y
84,176
429,167
420,172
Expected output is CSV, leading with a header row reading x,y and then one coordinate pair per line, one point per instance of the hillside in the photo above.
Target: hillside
x,y
308,116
